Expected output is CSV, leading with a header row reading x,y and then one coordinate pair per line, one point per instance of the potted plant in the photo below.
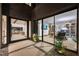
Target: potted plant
x,y
58,43
35,38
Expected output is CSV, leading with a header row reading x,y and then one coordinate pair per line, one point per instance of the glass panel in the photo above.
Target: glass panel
x,y
40,29
18,29
29,29
4,29
48,29
65,25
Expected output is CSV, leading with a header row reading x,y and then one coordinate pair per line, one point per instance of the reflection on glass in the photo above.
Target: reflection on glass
x,y
4,29
66,23
40,29
48,29
18,29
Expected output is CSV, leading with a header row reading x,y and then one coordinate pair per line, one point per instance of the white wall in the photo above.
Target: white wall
x,y
40,28
30,29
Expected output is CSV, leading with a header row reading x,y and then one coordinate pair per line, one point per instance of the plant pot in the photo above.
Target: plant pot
x,y
62,50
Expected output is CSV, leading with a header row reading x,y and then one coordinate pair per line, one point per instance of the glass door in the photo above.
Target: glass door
x,y
48,30
66,25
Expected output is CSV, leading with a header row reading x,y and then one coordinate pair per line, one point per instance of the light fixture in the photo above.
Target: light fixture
x,y
28,4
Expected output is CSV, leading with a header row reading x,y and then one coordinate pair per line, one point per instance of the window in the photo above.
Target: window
x,y
18,29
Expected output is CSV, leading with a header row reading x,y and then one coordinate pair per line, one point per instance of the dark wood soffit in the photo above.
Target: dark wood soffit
x,y
43,10
17,10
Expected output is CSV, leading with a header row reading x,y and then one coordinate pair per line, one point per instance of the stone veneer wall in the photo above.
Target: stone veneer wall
x,y
4,51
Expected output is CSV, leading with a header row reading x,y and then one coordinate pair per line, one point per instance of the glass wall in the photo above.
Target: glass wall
x,y
48,30
40,29
4,29
66,23
18,29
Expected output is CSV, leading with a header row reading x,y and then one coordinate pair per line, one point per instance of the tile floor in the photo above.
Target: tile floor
x,y
69,43
29,48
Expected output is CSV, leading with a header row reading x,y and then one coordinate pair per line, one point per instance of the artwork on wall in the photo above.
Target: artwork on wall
x,y
45,26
